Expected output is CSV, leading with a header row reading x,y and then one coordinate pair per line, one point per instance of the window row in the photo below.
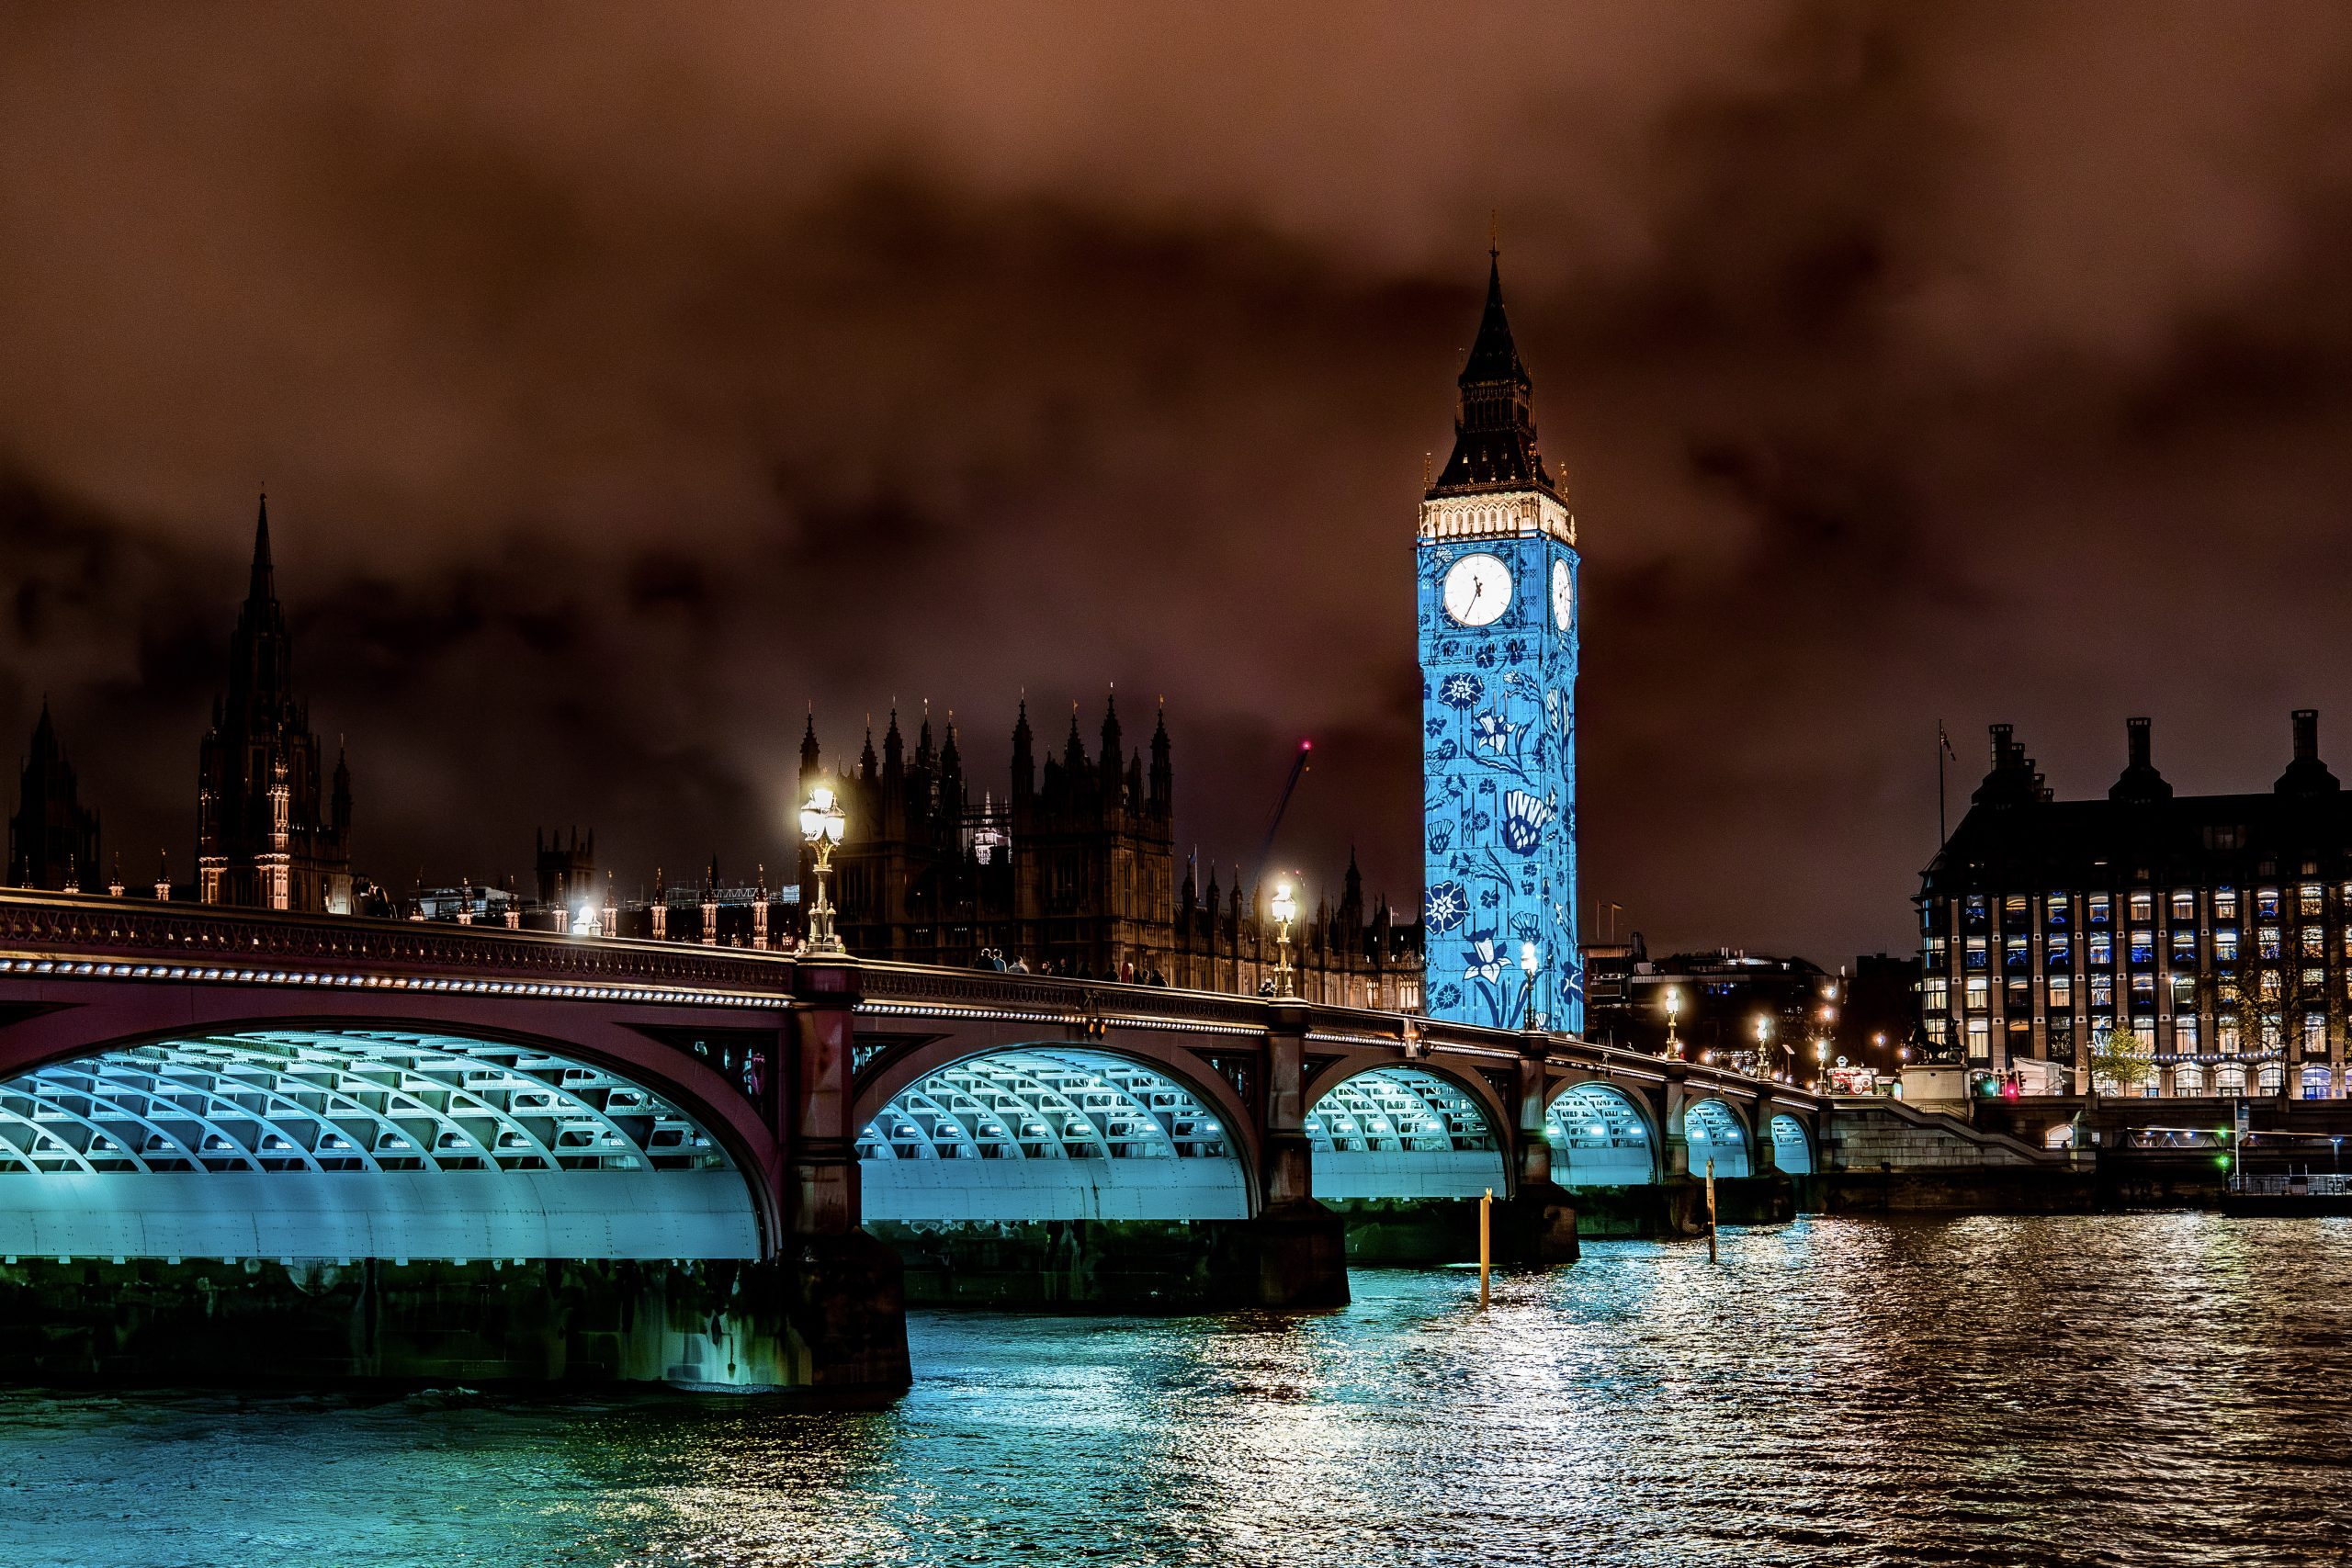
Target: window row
x,y
2307,899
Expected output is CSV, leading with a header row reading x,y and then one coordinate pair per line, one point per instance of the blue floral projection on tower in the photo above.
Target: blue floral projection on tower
x,y
1499,792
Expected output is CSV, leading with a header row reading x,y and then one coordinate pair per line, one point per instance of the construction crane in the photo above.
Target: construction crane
x,y
1274,823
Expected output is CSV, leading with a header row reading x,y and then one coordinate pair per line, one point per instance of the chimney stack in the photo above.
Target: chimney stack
x,y
2306,735
2136,729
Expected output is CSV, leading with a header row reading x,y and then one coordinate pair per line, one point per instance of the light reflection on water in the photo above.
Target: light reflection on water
x,y
2145,1389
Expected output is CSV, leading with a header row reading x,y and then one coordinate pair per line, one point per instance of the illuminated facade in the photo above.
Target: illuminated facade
x,y
1070,868
1498,625
2216,930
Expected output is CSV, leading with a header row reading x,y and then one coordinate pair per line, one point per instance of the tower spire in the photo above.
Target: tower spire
x,y
1494,424
263,584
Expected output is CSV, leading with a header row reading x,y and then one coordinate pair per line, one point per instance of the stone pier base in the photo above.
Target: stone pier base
x,y
1537,1229
1290,1259
830,1325
1678,1208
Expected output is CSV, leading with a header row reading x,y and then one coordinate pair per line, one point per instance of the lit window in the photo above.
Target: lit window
x,y
2315,1082
2143,907
2228,1078
2315,942
2225,904
2229,1035
1974,958
1935,996
2184,989
2054,908
1980,1039
2307,899
2266,903
2183,945
2225,943
1939,1031
2143,946
2184,1033
2266,984
2315,1033
2188,1081
2061,951
2314,979
2103,907
1935,952
2013,910
2266,941
2184,905
2143,990
2102,990
1973,911
1978,993
2061,990
2102,951
2014,955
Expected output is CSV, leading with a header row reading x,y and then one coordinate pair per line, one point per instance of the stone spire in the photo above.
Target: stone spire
x,y
1024,768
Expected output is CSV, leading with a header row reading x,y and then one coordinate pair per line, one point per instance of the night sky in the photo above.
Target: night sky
x,y
626,379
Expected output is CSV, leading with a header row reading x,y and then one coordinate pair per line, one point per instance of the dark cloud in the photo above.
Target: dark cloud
x,y
627,380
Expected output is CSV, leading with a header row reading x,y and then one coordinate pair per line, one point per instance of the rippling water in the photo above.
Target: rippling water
x,y
2145,1389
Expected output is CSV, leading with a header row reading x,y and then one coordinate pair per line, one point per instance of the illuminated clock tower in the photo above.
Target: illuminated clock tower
x,y
1497,612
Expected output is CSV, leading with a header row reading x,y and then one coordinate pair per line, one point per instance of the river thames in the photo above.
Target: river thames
x,y
2143,1389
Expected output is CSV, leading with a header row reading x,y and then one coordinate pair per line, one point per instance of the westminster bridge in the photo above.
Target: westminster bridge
x,y
312,1147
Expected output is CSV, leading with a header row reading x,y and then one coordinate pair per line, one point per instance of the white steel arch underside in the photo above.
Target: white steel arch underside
x,y
1792,1150
347,1143
1714,1133
1401,1133
1599,1138
1048,1134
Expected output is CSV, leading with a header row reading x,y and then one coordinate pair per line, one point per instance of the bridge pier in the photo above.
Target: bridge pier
x,y
1296,1250
844,1306
1535,1226
1674,1140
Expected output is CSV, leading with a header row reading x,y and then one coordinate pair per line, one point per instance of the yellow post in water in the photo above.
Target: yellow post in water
x,y
1710,1209
1486,1209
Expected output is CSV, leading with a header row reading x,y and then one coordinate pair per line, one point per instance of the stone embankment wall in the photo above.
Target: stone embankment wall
x,y
1883,1156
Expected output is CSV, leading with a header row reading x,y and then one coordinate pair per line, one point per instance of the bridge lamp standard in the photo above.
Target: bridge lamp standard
x,y
821,820
1527,967
1285,910
1763,1035
1673,1012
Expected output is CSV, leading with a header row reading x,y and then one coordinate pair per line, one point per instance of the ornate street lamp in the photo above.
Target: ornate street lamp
x,y
1285,909
1527,967
1673,1010
821,825
1763,1033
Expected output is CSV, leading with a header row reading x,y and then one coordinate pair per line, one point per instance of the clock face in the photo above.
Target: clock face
x,y
1477,590
1564,596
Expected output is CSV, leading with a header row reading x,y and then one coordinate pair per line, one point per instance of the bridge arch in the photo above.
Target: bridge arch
x,y
385,1141
1713,1130
1791,1144
1403,1131
1052,1131
1600,1136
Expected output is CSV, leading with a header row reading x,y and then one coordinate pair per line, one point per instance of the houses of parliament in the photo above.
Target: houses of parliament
x,y
1070,870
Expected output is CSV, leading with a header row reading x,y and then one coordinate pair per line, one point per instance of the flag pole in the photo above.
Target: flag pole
x,y
1944,745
